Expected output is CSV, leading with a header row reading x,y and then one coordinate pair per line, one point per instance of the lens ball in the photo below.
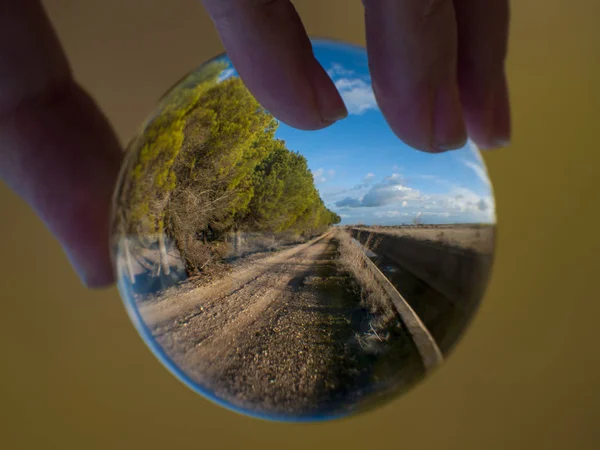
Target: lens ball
x,y
296,275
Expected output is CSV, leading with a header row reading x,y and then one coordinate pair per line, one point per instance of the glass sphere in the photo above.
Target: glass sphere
x,y
296,275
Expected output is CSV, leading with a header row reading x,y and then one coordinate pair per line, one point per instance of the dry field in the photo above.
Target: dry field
x,y
441,271
478,238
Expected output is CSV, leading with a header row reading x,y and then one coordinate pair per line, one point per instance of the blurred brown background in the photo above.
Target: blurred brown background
x,y
76,375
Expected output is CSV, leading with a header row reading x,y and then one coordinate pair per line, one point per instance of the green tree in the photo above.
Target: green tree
x,y
227,134
149,163
208,160
284,190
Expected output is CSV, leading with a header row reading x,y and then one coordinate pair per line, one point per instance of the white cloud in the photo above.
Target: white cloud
x,y
318,176
365,183
357,95
479,170
331,173
391,200
435,214
356,91
474,151
390,214
466,201
225,74
386,195
388,191
349,202
339,70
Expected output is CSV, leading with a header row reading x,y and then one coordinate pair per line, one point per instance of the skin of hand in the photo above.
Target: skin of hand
x,y
437,68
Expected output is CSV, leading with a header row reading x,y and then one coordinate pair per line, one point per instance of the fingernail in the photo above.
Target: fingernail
x,y
329,102
334,116
332,109
99,279
501,125
446,146
498,117
495,144
449,131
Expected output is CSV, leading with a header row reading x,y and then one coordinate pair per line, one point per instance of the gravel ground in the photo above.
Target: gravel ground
x,y
285,335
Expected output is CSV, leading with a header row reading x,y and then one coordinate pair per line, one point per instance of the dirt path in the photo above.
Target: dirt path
x,y
286,336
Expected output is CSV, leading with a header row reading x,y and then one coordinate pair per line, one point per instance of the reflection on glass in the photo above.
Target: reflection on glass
x,y
295,275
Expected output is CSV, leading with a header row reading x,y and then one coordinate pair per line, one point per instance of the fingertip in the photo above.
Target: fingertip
x,y
412,59
483,44
268,45
93,270
502,118
488,117
449,131
97,281
329,102
493,145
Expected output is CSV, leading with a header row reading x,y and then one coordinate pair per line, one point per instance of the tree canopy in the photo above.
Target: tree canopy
x,y
209,159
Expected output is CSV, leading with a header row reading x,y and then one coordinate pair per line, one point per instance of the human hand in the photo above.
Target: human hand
x,y
57,150
437,68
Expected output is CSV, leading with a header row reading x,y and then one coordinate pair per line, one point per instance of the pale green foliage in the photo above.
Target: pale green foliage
x,y
208,160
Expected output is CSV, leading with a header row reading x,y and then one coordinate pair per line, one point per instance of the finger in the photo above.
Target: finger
x,y
482,38
58,151
269,48
412,48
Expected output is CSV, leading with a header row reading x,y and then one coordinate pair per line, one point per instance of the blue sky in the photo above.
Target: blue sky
x,y
367,175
